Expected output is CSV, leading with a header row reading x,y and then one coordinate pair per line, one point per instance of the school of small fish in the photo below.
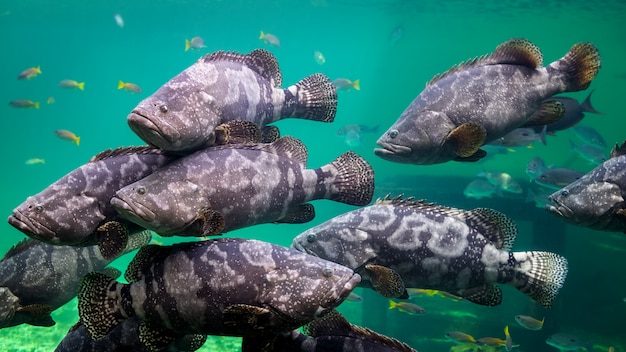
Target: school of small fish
x,y
215,163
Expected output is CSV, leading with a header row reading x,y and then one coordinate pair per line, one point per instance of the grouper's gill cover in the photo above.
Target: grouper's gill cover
x,y
597,199
398,243
183,114
72,210
37,278
222,188
225,286
483,99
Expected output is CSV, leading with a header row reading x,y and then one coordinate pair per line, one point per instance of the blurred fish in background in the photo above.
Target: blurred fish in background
x,y
396,34
352,133
30,73
24,103
536,167
574,113
503,181
521,137
558,178
589,152
589,135
35,161
72,84
196,43
318,57
68,136
346,84
129,87
119,20
270,39
480,188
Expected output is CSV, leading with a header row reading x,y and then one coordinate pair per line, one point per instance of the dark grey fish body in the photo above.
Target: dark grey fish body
x,y
39,278
243,185
597,199
395,244
123,338
69,211
226,286
182,115
484,99
574,112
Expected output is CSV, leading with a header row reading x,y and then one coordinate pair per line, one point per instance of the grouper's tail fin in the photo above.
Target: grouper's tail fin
x,y
97,310
353,181
316,99
579,66
540,275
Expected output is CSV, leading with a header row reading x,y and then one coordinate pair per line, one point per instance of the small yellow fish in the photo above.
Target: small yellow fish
x,y
68,136
71,84
529,323
22,103
269,39
34,161
129,87
406,307
195,43
50,100
346,84
30,73
319,57
508,342
491,341
460,337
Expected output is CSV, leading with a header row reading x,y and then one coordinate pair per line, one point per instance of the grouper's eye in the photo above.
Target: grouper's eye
x,y
141,191
327,272
164,108
38,209
393,133
564,193
311,238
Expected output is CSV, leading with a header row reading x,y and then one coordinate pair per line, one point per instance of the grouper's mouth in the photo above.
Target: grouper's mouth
x,y
31,228
559,209
344,292
151,130
390,149
132,210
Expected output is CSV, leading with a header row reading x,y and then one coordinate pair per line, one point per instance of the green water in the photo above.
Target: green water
x,y
80,40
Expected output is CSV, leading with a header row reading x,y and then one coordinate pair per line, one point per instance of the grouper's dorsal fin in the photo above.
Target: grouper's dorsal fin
x,y
260,61
334,324
22,246
419,204
111,153
495,226
618,150
517,51
287,146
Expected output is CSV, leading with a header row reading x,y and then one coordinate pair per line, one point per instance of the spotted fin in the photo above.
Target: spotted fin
x,y
211,222
549,112
301,214
112,239
112,153
155,337
142,260
190,342
269,134
618,150
293,148
387,282
495,226
353,181
467,138
540,275
99,312
247,316
138,239
260,61
579,66
237,132
111,272
36,314
486,295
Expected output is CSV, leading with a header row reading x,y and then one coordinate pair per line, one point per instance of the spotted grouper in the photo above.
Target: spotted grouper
x,y
398,243
483,99
223,188
226,286
222,88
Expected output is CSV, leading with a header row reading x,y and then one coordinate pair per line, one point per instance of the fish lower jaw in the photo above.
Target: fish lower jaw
x,y
150,132
31,229
133,212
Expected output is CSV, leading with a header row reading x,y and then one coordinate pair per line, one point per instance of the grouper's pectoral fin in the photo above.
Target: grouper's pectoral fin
x,y
112,239
466,140
155,337
549,111
211,222
269,134
36,314
247,316
387,281
486,295
299,215
237,132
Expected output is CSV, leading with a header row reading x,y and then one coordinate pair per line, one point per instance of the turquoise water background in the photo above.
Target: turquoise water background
x,y
80,40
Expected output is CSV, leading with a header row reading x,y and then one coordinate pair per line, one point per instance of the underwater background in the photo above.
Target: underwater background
x,y
393,48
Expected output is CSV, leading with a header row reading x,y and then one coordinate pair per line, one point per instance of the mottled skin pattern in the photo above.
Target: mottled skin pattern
x,y
247,184
597,199
191,288
183,114
431,247
69,211
123,337
42,274
499,96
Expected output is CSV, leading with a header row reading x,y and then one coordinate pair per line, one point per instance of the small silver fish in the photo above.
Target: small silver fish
x,y
589,152
558,178
521,137
480,188
589,135
536,166
567,342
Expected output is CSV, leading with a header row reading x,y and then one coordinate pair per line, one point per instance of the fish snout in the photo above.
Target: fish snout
x,y
339,293
31,228
157,132
133,211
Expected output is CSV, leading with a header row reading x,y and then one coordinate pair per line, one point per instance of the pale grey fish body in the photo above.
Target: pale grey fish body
x,y
182,115
226,286
499,93
246,184
558,177
42,274
69,211
434,247
595,200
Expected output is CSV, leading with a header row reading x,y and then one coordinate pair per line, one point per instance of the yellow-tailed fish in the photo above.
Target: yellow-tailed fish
x,y
195,43
346,84
129,87
528,322
420,292
71,84
269,39
50,100
68,136
23,103
460,337
508,342
406,307
30,73
35,161
491,341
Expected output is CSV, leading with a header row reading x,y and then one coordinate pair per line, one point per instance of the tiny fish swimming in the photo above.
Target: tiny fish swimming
x,y
483,99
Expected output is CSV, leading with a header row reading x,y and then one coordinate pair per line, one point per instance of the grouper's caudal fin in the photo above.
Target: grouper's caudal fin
x,y
353,181
579,66
316,98
540,275
97,310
